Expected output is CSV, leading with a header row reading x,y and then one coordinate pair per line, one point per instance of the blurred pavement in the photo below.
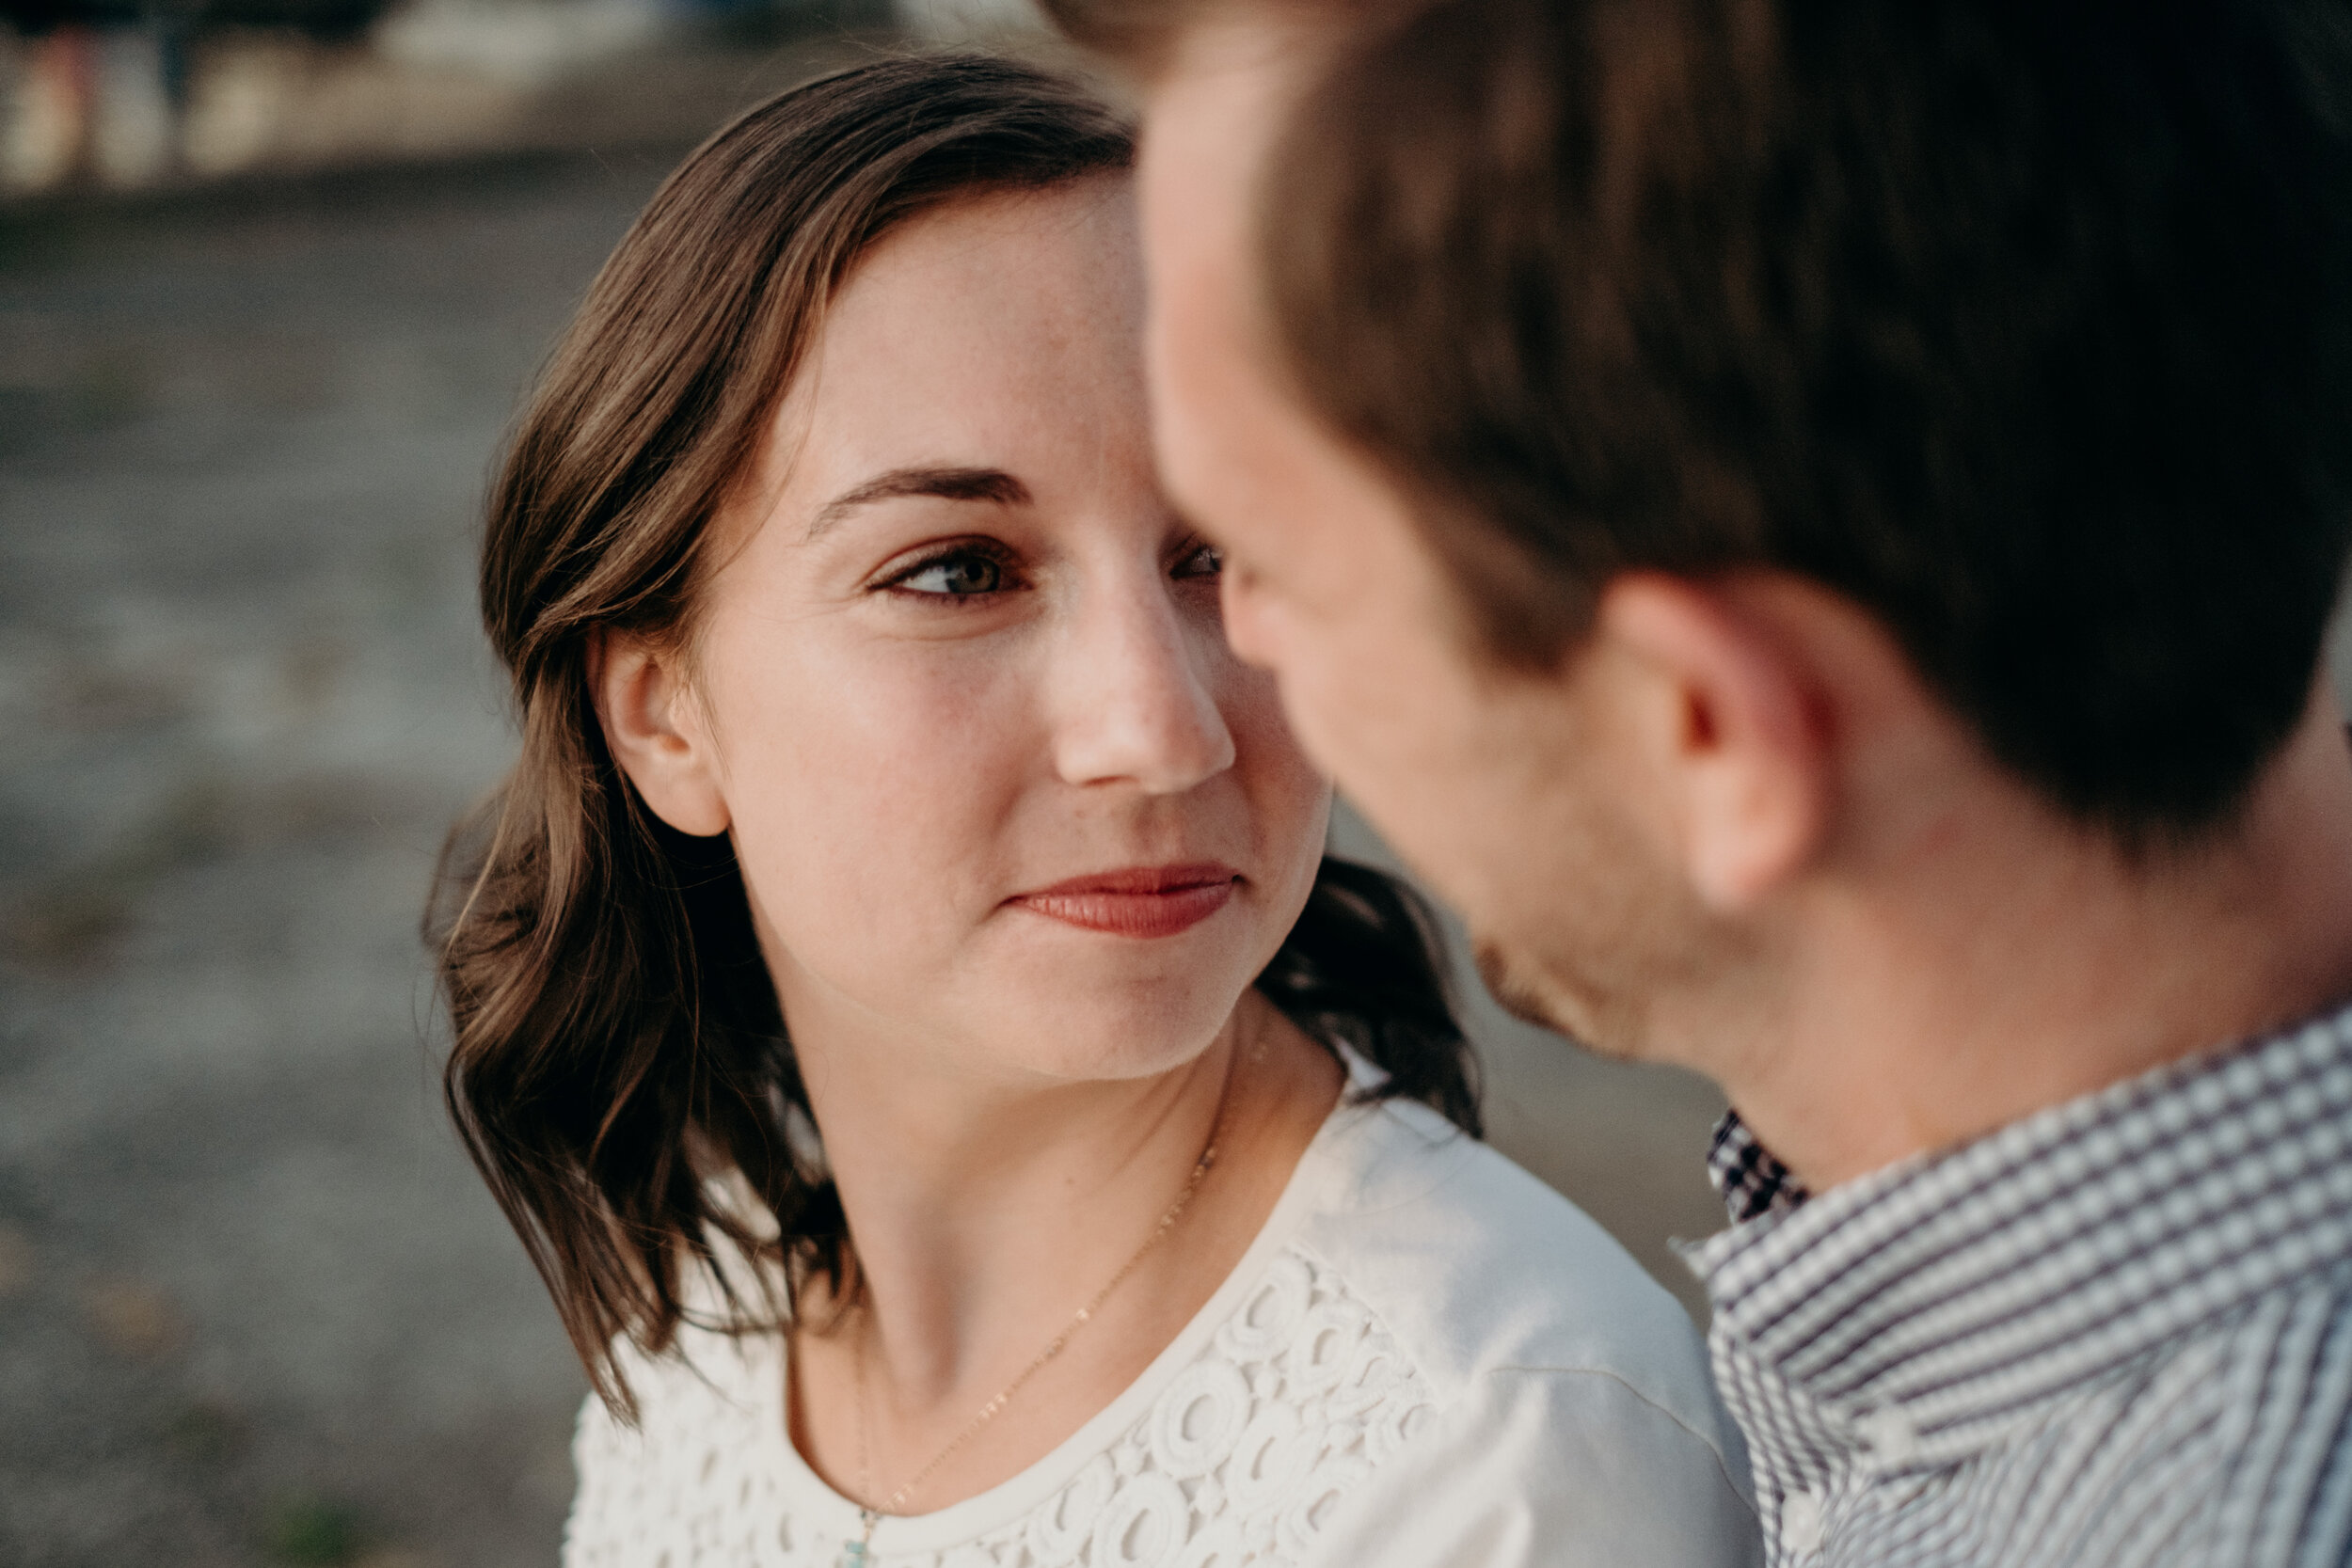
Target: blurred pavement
x,y
259,1309
254,1307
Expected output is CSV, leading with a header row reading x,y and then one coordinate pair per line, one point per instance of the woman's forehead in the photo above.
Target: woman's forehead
x,y
1007,282
997,332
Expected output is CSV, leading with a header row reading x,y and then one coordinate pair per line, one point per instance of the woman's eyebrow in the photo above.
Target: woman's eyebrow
x,y
956,485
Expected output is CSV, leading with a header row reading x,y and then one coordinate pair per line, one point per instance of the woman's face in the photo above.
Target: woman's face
x,y
999,789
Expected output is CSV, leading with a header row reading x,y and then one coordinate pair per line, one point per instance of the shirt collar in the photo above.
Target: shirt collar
x,y
1970,1288
1747,1175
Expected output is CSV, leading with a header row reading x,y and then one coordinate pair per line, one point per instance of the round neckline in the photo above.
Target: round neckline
x,y
835,1517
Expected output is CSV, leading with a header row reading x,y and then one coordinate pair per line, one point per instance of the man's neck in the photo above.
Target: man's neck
x,y
2013,962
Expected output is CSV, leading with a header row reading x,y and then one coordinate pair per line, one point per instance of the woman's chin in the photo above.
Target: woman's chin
x,y
1103,1038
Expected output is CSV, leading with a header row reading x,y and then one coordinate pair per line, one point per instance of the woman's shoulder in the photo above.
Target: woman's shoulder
x,y
1439,1361
1475,1260
693,1460
1511,1302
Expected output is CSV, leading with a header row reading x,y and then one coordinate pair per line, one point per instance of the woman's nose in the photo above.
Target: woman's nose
x,y
1135,694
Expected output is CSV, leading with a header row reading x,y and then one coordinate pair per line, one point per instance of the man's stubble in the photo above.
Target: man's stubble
x,y
1607,939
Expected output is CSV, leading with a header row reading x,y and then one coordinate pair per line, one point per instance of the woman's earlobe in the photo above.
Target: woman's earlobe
x,y
655,734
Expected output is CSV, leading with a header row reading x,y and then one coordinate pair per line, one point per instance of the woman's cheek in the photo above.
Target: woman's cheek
x,y
872,806
1284,780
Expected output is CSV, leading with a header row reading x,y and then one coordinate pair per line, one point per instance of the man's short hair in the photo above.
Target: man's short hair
x,y
2024,324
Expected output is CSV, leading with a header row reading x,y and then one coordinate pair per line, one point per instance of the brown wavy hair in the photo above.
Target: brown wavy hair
x,y
617,1039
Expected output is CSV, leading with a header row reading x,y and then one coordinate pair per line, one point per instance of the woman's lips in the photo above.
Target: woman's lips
x,y
1143,901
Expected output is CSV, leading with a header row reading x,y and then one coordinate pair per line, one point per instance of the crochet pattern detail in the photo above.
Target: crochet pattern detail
x,y
1290,1406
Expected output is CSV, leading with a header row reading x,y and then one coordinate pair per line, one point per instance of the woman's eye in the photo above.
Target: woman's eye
x,y
954,577
1205,561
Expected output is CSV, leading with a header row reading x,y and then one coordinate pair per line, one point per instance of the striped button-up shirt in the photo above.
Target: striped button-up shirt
x,y
2118,1332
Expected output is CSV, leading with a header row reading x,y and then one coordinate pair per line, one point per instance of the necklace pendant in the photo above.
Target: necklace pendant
x,y
859,1553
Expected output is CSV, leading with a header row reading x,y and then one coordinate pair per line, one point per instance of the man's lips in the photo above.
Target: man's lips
x,y
1140,901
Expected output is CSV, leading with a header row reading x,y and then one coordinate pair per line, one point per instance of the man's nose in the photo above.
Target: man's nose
x,y
1134,694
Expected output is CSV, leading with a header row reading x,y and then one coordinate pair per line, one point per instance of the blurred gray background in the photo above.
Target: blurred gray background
x,y
269,288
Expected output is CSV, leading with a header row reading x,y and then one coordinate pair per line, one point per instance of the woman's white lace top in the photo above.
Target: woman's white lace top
x,y
1426,1358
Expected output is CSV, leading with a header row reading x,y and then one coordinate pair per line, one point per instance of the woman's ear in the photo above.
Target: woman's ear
x,y
656,731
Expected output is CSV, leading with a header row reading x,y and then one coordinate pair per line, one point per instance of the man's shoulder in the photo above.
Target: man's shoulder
x,y
2230,1442
2240,1428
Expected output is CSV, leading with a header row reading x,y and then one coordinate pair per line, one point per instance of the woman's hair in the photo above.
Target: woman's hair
x,y
618,1042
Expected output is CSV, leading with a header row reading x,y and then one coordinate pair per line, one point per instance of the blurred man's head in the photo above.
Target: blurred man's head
x,y
1677,452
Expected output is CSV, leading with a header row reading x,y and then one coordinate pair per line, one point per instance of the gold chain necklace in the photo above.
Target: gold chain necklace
x,y
856,1554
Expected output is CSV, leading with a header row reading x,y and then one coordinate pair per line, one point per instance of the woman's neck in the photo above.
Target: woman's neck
x,y
985,1214
979,1210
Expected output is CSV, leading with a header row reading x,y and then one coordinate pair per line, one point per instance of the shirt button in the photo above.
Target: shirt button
x,y
1800,1524
1887,1430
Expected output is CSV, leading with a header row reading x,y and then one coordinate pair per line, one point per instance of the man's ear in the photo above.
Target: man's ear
x,y
1730,729
656,731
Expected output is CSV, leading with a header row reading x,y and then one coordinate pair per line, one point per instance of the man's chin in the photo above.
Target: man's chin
x,y
1521,989
1513,989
